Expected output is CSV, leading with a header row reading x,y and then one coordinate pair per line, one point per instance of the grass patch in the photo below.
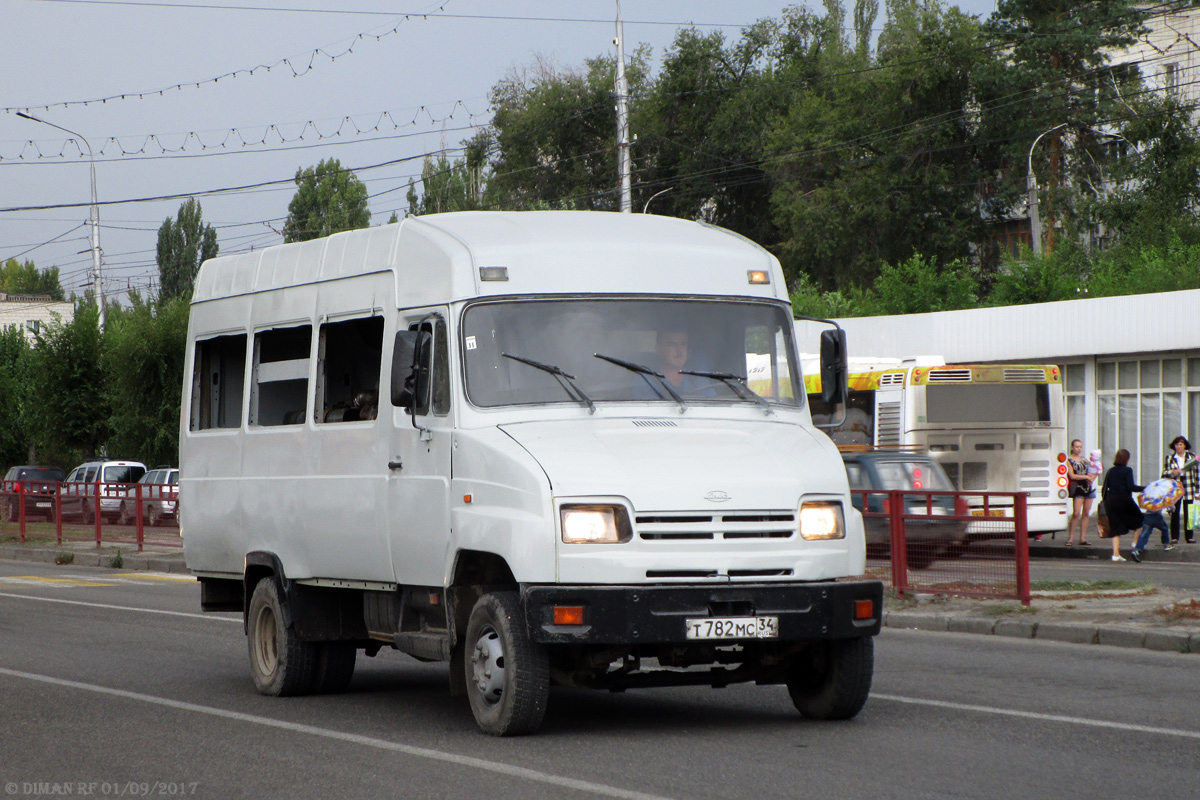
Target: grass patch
x,y
1087,586
1007,609
116,561
65,557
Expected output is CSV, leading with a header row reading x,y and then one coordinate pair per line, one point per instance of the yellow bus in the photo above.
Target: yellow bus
x,y
992,427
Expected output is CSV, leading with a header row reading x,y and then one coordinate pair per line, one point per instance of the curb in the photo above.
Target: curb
x,y
92,557
1163,640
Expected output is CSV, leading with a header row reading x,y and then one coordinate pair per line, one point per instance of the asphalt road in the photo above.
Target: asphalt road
x,y
114,682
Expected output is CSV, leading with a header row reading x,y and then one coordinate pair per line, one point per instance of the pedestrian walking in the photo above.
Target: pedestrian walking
x,y
1181,465
1151,520
1117,494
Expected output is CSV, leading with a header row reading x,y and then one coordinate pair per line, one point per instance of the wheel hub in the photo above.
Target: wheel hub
x,y
487,665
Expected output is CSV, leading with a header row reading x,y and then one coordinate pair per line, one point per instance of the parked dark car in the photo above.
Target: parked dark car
x,y
930,534
38,491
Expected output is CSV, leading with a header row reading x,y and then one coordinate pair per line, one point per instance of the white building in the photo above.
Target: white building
x,y
31,312
1131,364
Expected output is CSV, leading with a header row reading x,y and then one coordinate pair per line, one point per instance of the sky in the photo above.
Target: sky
x,y
225,100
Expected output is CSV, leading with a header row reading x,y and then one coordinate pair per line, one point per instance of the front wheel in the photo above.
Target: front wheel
x,y
507,674
280,663
831,680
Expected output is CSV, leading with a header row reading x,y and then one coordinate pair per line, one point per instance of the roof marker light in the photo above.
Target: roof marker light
x,y
758,276
493,273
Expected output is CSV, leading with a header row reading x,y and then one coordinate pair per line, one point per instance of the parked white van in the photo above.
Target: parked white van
x,y
567,479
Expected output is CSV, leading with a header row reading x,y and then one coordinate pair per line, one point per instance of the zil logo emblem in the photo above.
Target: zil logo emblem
x,y
717,497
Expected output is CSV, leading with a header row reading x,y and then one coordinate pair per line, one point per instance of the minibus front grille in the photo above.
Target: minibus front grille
x,y
734,525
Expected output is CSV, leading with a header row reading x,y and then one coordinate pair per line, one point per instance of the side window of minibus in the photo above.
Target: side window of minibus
x,y
279,389
433,369
218,380
349,354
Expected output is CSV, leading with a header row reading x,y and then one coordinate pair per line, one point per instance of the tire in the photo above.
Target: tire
x,y
152,518
123,515
831,680
280,664
921,556
334,667
10,510
507,675
89,513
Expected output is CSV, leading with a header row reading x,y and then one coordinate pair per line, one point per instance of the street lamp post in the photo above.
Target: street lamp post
x,y
1035,221
93,214
624,194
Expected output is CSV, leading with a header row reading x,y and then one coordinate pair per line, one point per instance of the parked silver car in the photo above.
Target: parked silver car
x,y
109,479
160,493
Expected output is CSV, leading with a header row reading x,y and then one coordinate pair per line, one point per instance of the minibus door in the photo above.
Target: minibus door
x,y
419,467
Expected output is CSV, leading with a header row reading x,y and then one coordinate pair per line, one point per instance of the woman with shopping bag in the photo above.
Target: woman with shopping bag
x,y
1181,465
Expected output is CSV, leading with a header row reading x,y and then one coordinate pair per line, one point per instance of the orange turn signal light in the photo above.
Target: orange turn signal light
x,y
864,609
568,615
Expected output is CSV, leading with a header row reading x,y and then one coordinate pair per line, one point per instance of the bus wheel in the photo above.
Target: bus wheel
x,y
831,680
280,663
507,675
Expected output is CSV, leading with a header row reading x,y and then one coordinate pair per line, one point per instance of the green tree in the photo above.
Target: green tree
x,y
145,346
25,278
918,286
328,199
70,412
872,166
183,245
553,135
448,185
14,395
1053,75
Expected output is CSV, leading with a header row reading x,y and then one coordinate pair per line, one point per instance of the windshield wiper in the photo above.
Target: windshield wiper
x,y
565,380
735,382
644,372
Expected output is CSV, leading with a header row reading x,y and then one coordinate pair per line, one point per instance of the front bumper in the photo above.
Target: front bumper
x,y
657,614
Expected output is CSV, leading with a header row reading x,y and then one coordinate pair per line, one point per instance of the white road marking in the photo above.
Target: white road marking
x,y
121,608
496,767
1011,712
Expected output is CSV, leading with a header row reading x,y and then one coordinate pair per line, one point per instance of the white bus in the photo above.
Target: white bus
x,y
994,428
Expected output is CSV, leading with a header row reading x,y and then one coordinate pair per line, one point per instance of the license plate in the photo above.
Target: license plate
x,y
733,628
44,505
991,512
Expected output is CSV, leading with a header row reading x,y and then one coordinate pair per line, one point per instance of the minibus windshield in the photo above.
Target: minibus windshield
x,y
655,350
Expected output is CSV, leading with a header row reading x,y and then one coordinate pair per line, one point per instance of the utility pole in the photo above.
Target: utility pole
x,y
93,215
623,166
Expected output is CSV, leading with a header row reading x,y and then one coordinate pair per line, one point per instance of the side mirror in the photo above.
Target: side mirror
x,y
404,368
833,366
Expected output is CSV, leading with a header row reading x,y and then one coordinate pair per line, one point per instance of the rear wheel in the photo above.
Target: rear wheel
x,y
89,513
152,518
507,674
280,664
123,517
831,680
10,510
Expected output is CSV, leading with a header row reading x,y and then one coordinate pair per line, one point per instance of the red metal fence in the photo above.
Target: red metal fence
x,y
965,543
107,513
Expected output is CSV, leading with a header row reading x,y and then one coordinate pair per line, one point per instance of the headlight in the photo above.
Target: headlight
x,y
583,524
822,521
